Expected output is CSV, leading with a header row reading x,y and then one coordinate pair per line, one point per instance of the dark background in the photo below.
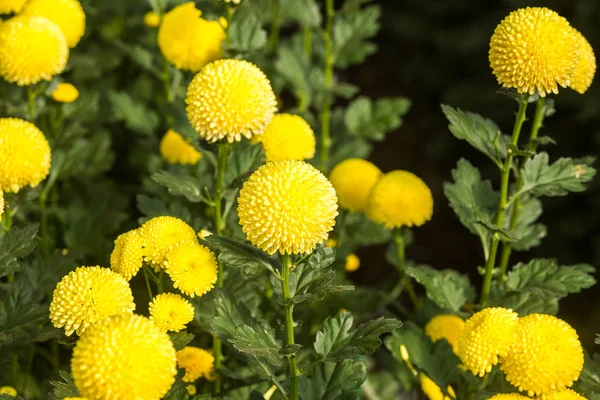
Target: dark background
x,y
436,51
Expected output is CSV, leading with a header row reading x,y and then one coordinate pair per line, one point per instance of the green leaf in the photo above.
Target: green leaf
x,y
306,12
447,288
526,233
333,381
351,32
563,176
181,339
481,133
15,244
526,303
137,116
237,254
243,159
308,283
321,257
381,385
66,387
181,184
373,119
245,34
589,379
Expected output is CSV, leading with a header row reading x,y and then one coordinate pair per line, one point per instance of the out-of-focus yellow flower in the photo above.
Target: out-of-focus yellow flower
x,y
67,14
586,68
191,389
11,6
128,255
566,394
88,295
546,355
230,99
331,243
177,150
171,312
24,155
196,362
352,262
446,327
151,19
400,198
486,336
125,357
534,49
353,180
9,390
509,396
433,391
160,235
287,207
65,93
188,41
193,268
288,137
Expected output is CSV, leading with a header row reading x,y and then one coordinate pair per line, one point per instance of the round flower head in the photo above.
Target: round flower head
x,y
288,137
31,49
509,396
287,207
171,312
485,337
125,357
9,390
177,150
151,19
566,394
65,93
188,41
160,235
192,268
352,262
24,155
546,355
534,49
88,295
196,362
229,99
433,391
67,14
446,327
400,198
586,68
353,180
128,255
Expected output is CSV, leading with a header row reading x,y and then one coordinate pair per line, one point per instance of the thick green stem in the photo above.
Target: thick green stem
x,y
275,26
328,82
289,324
31,95
44,225
491,261
307,41
404,279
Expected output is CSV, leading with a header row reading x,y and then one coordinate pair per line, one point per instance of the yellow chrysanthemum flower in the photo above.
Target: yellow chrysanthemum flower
x,y
88,295
151,19
24,155
31,49
534,49
586,67
509,396
11,6
188,41
446,327
288,137
127,257
433,391
352,262
353,180
486,336
331,243
566,394
546,355
171,312
229,99
67,14
196,362
400,198
9,390
193,268
191,389
160,235
65,93
177,150
125,357
287,207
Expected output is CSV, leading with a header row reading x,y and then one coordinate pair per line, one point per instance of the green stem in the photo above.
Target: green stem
x,y
404,279
159,282
491,261
31,95
328,82
275,26
307,41
289,324
150,296
166,75
44,225
228,17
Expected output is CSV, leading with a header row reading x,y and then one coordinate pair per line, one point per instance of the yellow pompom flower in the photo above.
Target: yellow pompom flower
x,y
566,394
534,49
196,363
446,327
288,137
88,295
65,93
171,312
229,99
353,180
352,262
125,357
400,198
67,14
433,391
546,355
287,207
188,41
509,396
332,243
11,6
586,68
9,390
24,155
127,257
192,268
177,150
160,235
31,49
486,336
151,19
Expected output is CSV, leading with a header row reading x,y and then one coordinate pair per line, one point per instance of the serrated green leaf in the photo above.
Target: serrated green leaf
x,y
333,381
526,233
351,32
181,339
306,12
447,288
293,67
321,257
137,116
243,159
309,284
373,119
589,379
526,303
237,254
245,34
180,184
15,244
66,387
